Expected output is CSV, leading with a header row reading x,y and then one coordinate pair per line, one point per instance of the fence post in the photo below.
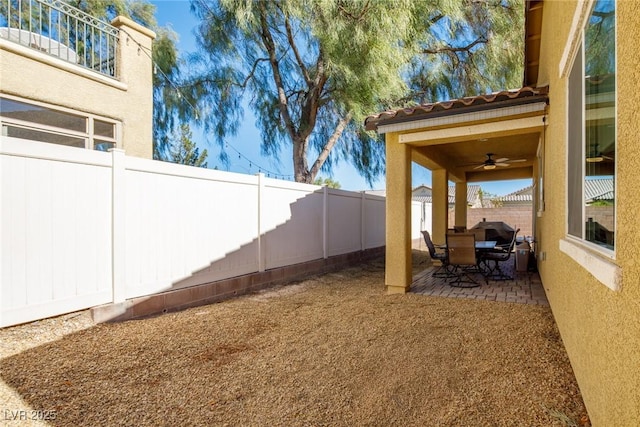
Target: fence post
x,y
261,260
363,218
325,222
118,231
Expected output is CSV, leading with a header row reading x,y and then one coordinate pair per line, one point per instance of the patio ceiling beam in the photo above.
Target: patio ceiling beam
x,y
432,160
501,174
515,126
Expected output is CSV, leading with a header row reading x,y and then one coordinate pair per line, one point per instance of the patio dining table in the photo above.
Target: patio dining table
x,y
486,245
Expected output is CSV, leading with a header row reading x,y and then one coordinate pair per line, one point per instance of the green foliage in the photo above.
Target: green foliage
x,y
599,44
468,48
311,70
488,200
602,203
326,182
182,149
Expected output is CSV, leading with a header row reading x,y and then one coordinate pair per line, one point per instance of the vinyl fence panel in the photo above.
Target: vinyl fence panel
x,y
291,223
82,228
374,221
344,210
187,226
55,225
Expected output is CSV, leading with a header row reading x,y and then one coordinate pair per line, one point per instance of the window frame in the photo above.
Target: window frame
x,y
576,48
88,136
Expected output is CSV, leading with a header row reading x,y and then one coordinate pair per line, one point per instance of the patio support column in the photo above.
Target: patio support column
x,y
398,216
461,204
440,206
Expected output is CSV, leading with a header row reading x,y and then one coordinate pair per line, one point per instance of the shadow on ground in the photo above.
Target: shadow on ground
x,y
330,350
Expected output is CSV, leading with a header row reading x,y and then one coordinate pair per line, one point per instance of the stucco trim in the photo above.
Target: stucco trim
x,y
485,115
120,21
604,270
60,64
457,132
573,40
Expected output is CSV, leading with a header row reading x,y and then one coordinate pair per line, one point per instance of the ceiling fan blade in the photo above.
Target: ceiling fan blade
x,y
479,167
517,160
502,164
502,160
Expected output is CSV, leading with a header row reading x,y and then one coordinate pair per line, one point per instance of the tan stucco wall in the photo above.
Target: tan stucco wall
x,y
37,76
600,327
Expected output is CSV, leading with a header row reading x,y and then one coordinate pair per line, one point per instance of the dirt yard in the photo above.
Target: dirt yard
x,y
332,350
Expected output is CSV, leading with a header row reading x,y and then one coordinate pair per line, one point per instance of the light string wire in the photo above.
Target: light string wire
x,y
157,68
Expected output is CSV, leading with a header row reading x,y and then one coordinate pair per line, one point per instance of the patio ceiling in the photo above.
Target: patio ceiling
x,y
463,159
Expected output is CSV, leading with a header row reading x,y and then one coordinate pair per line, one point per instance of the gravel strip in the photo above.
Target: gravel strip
x,y
330,350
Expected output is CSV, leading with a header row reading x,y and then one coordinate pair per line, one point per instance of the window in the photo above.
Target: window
x,y
592,131
37,122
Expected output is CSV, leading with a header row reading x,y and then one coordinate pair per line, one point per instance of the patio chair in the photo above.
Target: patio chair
x,y
461,249
437,256
497,256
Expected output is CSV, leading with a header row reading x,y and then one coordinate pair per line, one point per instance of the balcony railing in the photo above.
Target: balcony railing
x,y
58,29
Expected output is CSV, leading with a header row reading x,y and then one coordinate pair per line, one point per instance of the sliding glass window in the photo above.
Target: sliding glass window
x,y
592,131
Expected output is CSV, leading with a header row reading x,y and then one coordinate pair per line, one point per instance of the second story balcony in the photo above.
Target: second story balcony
x,y
60,30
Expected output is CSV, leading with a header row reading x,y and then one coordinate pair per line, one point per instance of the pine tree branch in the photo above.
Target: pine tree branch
x,y
452,49
357,18
270,46
294,48
331,142
243,85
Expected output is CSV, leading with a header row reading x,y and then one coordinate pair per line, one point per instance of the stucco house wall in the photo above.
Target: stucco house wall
x,y
600,327
36,76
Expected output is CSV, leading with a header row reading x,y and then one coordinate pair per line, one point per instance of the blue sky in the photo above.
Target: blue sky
x,y
244,148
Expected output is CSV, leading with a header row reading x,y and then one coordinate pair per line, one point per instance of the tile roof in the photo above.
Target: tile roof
x,y
598,189
472,194
520,96
524,195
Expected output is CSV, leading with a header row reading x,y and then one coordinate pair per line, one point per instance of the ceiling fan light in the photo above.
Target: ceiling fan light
x,y
596,159
489,167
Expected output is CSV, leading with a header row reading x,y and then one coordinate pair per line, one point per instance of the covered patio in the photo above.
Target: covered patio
x,y
492,137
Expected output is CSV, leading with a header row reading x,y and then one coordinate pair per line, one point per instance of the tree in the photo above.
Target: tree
x,y
312,70
472,47
183,150
327,182
488,200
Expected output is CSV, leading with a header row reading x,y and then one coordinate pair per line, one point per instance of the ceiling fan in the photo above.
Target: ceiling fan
x,y
597,156
491,163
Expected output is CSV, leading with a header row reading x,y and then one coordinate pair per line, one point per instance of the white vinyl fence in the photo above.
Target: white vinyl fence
x,y
81,228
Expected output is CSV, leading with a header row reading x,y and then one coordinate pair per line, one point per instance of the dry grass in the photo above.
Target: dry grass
x,y
330,350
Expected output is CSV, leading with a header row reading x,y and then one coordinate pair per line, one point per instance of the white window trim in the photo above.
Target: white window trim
x,y
599,262
88,136
580,17
604,270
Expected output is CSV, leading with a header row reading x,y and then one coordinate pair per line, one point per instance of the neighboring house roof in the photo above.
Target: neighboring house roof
x,y
598,189
524,195
423,193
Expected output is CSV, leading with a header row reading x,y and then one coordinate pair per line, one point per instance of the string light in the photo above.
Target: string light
x,y
261,169
175,87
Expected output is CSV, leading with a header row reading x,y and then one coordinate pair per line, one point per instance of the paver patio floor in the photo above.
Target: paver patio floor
x,y
524,288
